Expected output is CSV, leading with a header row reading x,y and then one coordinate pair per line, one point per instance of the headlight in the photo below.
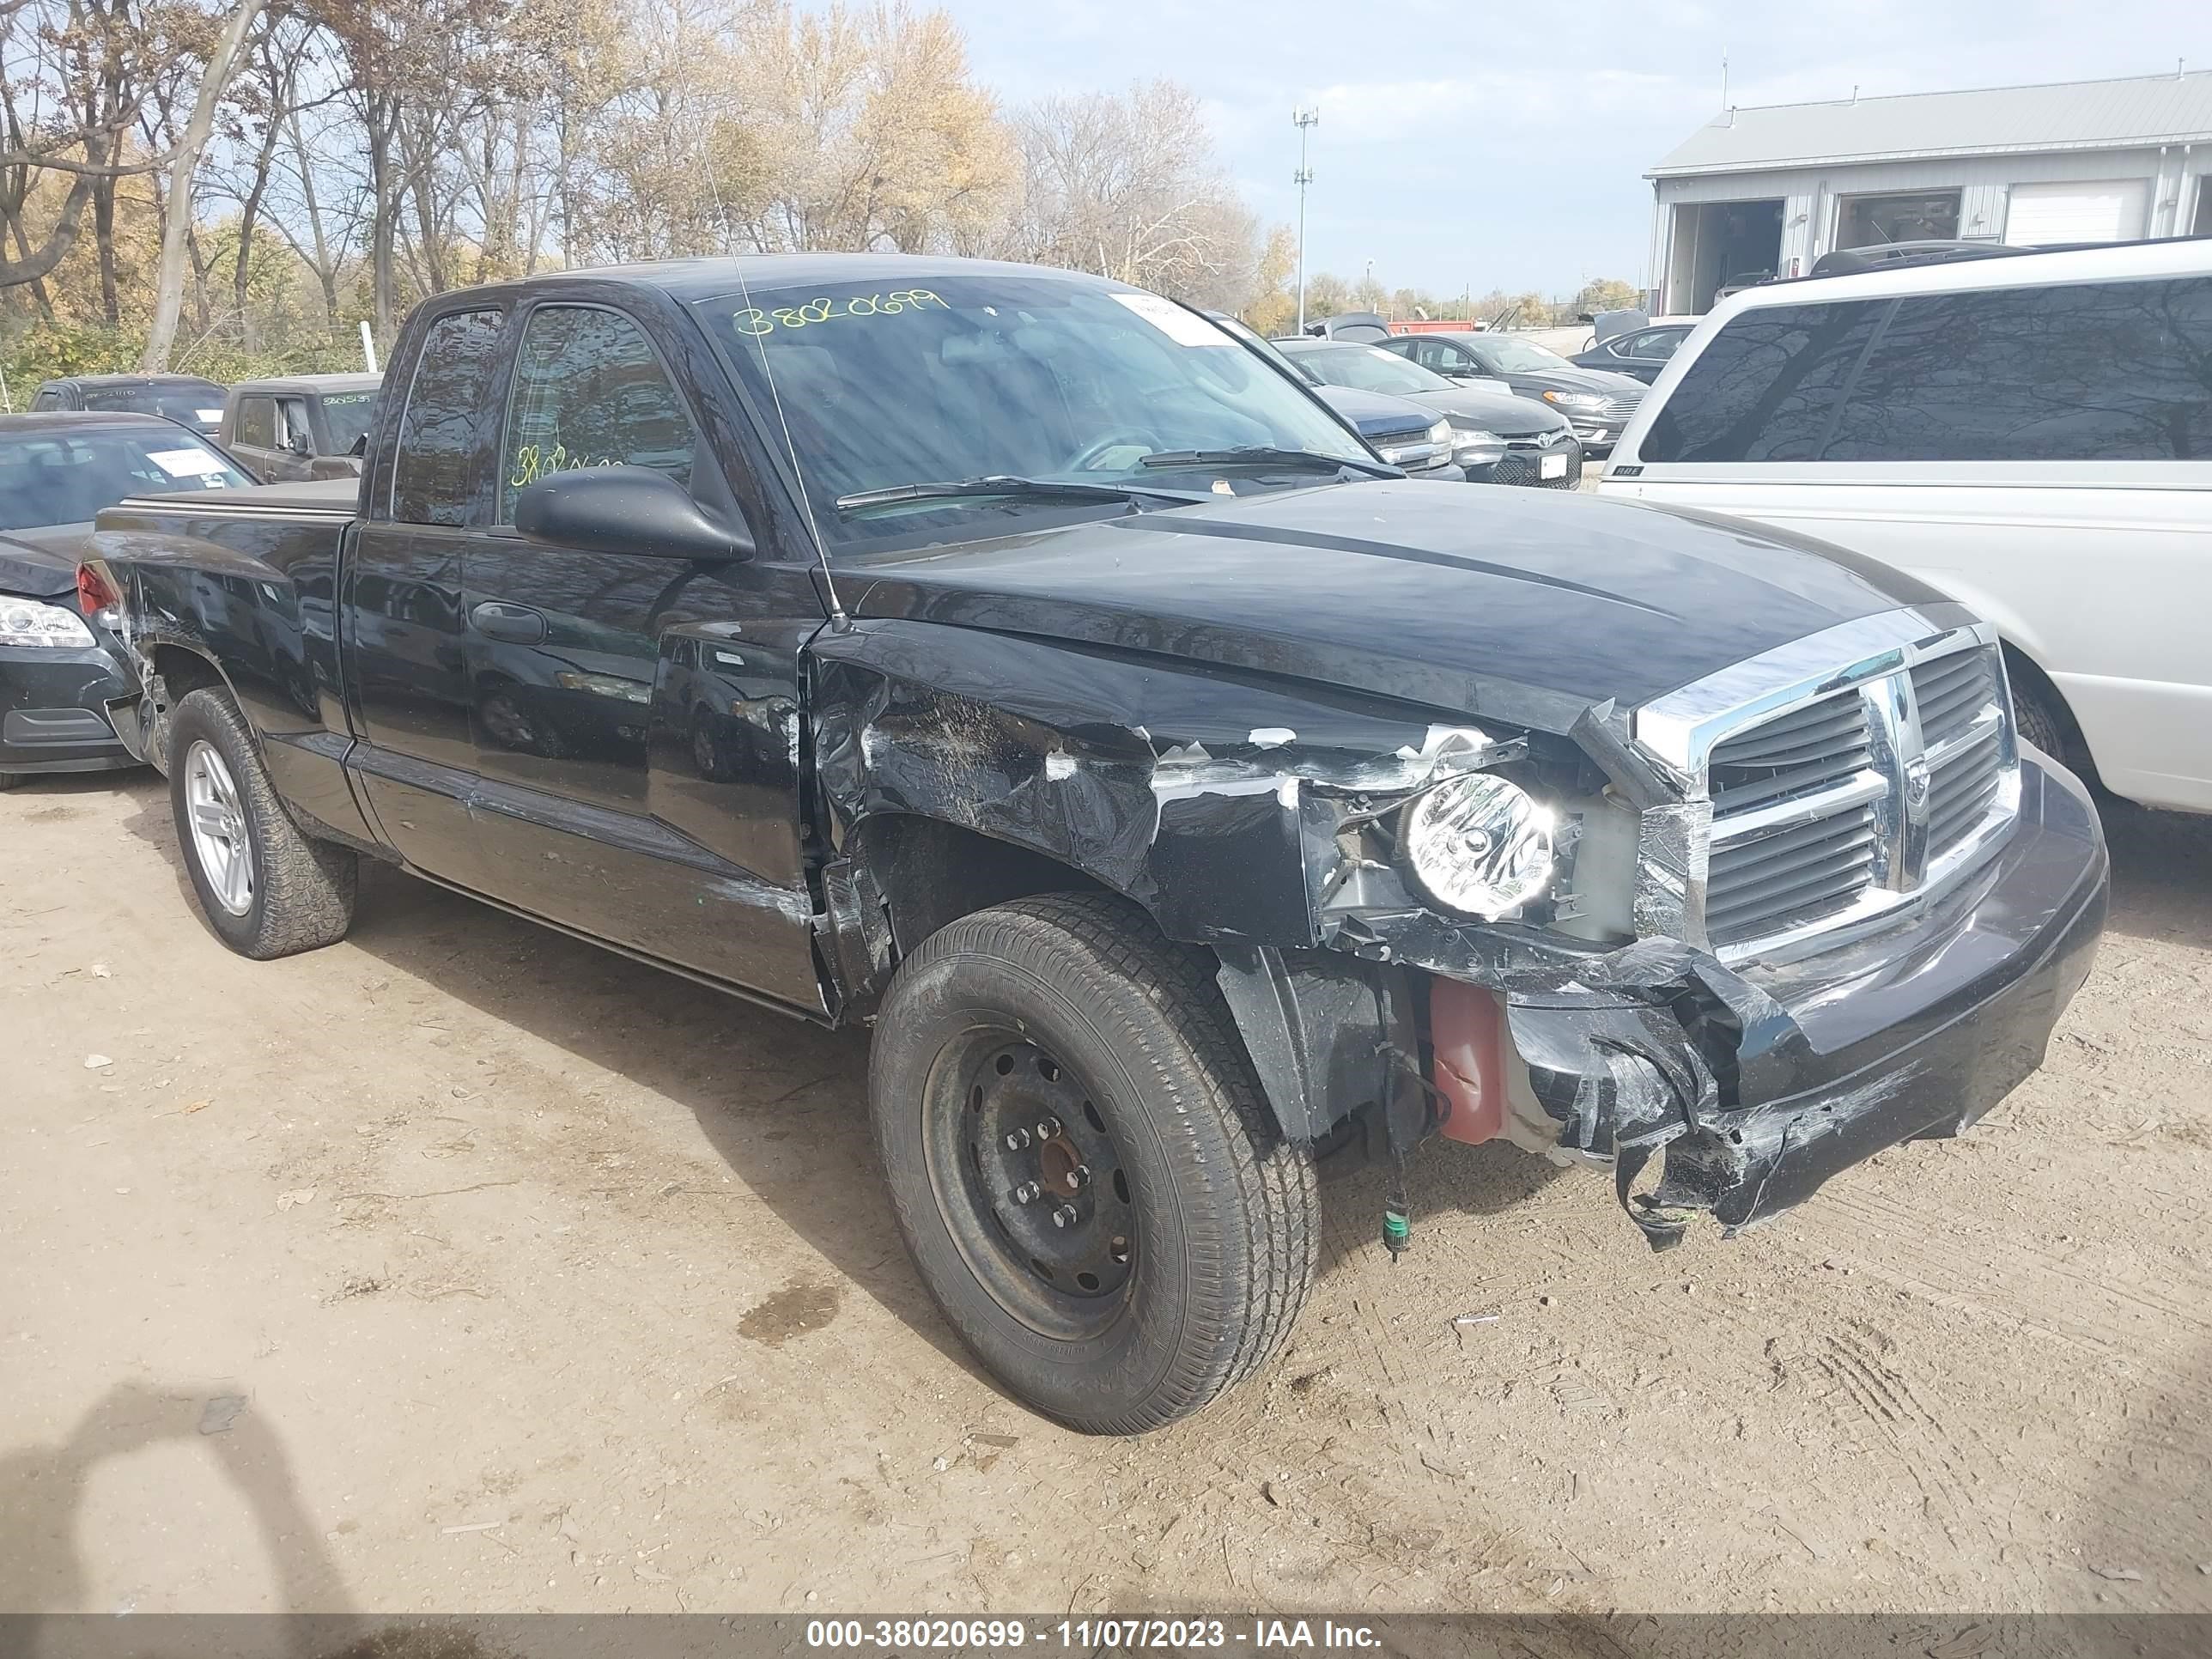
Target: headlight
x,y
1441,433
1574,399
1469,437
1478,845
28,622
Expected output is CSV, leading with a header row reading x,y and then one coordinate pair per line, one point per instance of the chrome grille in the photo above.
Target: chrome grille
x,y
1962,704
1843,806
1794,826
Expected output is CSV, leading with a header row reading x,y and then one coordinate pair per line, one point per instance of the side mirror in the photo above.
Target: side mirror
x,y
625,509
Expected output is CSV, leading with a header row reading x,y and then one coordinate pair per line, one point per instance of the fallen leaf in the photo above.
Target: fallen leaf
x,y
93,1062
302,1195
99,971
197,1106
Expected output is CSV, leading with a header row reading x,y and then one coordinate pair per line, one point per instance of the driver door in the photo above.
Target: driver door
x,y
636,715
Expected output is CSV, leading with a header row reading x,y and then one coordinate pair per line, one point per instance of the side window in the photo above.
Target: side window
x,y
1765,387
256,423
589,391
293,431
1655,345
2091,372
433,479
49,398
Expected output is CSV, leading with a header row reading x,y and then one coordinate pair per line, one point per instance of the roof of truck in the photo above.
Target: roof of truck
x,y
278,384
693,280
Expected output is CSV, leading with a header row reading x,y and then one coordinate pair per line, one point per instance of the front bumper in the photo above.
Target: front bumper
x,y
1756,1089
54,716
1523,465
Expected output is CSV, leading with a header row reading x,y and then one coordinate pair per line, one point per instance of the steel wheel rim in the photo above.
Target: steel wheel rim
x,y
220,841
990,1093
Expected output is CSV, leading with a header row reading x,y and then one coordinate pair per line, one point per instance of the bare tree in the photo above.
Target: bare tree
x,y
177,211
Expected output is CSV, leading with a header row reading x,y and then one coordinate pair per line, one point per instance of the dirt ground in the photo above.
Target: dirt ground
x,y
462,1268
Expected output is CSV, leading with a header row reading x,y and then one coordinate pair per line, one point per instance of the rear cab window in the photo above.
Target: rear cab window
x,y
434,475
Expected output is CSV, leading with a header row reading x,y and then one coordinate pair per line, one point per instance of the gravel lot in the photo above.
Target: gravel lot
x,y
463,1267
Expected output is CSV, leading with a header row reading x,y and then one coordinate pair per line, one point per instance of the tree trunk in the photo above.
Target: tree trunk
x,y
177,211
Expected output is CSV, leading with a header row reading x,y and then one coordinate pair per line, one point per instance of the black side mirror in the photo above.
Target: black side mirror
x,y
626,509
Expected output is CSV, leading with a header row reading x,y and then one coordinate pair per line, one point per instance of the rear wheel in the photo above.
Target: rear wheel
x,y
10,780
266,888
1083,1164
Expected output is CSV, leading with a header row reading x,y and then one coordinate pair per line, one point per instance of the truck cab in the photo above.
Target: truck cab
x,y
301,425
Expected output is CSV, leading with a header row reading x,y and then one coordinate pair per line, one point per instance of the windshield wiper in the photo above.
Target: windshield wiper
x,y
1261,455
1001,484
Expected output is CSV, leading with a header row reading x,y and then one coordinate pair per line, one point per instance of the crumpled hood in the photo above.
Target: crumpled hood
x,y
41,562
1521,605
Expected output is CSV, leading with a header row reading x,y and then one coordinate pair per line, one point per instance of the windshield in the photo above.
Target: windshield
x,y
1370,368
198,407
1002,374
348,414
55,478
1512,357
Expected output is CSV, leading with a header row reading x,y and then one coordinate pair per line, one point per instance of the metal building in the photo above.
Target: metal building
x,y
1763,193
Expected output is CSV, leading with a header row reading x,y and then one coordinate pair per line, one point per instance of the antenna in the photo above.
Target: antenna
x,y
805,496
1724,102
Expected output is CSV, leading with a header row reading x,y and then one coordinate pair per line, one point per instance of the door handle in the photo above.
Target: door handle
x,y
517,624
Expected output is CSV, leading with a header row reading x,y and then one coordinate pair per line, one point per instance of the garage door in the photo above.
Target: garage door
x,y
2111,211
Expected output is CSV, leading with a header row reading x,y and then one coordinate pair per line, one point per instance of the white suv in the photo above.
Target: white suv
x,y
2029,434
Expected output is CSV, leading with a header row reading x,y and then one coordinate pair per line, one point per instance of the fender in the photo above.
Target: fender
x,y
1175,786
264,619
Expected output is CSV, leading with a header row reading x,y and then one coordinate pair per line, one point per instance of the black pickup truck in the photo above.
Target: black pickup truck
x,y
1010,659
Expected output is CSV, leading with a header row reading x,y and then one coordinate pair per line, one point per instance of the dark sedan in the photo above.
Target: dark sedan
x,y
1497,439
61,665
184,399
1642,352
1596,402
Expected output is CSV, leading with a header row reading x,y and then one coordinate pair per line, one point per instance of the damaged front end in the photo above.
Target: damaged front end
x,y
1504,930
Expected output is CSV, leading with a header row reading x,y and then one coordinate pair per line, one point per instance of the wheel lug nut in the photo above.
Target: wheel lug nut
x,y
1078,1177
1027,1193
1017,1139
1048,1128
1064,1216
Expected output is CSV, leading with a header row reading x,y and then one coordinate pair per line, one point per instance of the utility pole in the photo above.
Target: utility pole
x,y
1305,120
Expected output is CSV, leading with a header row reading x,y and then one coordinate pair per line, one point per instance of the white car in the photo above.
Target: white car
x,y
2031,434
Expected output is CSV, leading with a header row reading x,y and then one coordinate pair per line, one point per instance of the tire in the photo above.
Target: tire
x,y
10,780
1191,1243
2040,723
295,894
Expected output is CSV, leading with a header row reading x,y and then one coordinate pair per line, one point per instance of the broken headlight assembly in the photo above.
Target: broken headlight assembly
x,y
1478,845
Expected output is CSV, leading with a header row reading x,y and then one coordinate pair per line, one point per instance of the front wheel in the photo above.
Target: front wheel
x,y
1083,1164
266,888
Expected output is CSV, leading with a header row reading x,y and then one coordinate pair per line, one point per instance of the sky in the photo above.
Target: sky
x,y
1466,144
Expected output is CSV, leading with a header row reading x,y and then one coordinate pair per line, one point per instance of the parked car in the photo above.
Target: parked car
x,y
61,664
2031,434
1640,352
1503,440
184,399
1400,431
1163,800
301,425
1597,403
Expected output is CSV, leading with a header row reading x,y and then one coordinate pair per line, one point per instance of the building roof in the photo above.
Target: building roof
x,y
2069,115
